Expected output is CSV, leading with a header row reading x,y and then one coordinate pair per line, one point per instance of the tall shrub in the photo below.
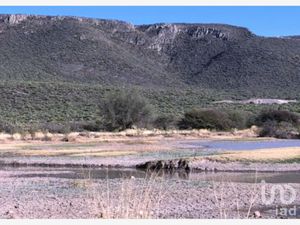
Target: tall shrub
x,y
121,110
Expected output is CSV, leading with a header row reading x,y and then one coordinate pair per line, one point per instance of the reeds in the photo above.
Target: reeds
x,y
132,198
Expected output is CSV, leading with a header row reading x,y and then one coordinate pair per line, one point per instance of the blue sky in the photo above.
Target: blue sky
x,y
266,21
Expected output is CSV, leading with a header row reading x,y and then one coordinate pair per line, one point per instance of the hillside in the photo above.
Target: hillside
x,y
58,68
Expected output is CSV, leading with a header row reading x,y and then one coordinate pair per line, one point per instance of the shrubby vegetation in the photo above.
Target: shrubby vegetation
x,y
204,119
165,122
36,102
51,127
278,123
282,130
277,116
125,109
213,119
8,127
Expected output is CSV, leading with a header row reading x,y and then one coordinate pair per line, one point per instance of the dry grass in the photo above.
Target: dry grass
x,y
132,199
81,149
106,153
240,210
70,152
127,135
260,155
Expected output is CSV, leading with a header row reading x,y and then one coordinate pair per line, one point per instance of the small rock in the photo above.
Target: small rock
x,y
257,214
10,214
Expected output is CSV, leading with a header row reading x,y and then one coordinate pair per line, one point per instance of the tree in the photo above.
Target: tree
x,y
121,110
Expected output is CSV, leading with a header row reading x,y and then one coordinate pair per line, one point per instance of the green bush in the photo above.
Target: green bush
x,y
277,123
238,119
283,130
53,127
276,116
165,122
64,127
205,119
121,110
9,128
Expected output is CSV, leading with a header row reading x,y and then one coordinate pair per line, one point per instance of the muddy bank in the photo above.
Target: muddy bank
x,y
208,165
168,165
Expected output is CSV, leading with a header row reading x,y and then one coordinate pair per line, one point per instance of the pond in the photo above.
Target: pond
x,y
193,148
243,145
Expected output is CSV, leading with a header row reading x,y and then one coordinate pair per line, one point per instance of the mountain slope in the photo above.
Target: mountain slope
x,y
213,61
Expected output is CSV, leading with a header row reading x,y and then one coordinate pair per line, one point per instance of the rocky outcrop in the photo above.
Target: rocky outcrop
x,y
162,35
15,19
170,165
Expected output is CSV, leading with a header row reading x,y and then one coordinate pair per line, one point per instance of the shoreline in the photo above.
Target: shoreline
x,y
194,167
133,149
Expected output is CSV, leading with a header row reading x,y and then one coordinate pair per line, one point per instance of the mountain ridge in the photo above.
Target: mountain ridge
x,y
214,61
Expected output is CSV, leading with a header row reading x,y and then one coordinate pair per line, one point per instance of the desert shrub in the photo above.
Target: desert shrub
x,y
205,119
92,126
277,123
165,122
238,119
64,127
276,116
46,137
10,128
76,126
32,129
85,126
52,127
122,110
283,130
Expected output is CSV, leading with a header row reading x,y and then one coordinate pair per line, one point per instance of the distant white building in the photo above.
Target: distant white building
x,y
259,101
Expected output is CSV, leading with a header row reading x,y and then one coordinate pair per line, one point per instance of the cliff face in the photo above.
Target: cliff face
x,y
82,50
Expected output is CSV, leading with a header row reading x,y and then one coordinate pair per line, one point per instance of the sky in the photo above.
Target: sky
x,y
261,20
